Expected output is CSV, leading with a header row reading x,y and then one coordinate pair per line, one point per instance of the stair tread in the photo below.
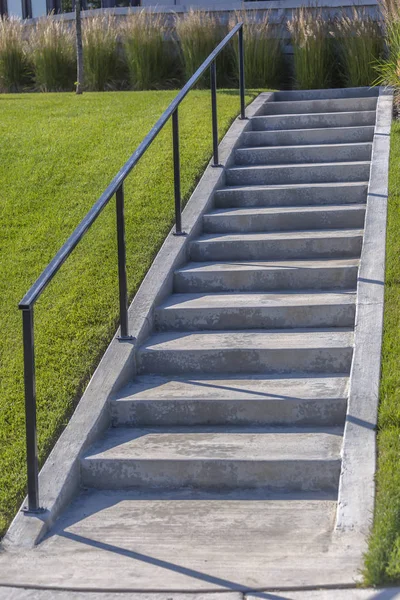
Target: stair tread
x,y
239,265
279,186
327,113
219,444
272,210
300,165
278,235
252,300
244,387
303,146
343,127
178,341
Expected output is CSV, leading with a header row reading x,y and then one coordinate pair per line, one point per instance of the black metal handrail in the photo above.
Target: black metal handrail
x,y
115,188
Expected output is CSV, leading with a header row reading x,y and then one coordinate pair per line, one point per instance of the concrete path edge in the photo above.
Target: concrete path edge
x,y
357,483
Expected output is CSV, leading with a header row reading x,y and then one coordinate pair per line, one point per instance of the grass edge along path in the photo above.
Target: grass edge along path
x,y
58,154
382,560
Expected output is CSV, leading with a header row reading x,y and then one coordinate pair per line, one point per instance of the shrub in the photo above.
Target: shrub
x,y
100,52
149,58
53,53
14,71
360,45
198,34
388,68
311,48
263,57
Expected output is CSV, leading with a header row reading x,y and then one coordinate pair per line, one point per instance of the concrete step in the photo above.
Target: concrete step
x,y
236,220
292,194
299,173
247,400
327,94
266,275
303,154
190,539
312,121
328,243
271,310
326,350
269,458
292,137
326,105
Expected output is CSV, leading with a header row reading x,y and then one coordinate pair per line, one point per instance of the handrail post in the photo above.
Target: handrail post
x,y
30,412
177,173
213,81
123,288
241,75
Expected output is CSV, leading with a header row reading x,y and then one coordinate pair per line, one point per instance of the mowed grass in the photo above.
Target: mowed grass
x,y
58,152
382,564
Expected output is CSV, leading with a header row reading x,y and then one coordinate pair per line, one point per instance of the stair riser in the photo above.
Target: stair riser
x,y
319,106
350,119
245,360
284,412
264,281
345,135
287,475
293,221
302,248
295,196
255,318
312,154
302,174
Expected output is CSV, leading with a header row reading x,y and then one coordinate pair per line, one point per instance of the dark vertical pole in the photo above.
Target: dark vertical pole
x,y
30,410
241,75
177,173
213,79
123,288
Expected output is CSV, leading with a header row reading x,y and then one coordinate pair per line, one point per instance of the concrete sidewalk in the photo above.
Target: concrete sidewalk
x,y
8,593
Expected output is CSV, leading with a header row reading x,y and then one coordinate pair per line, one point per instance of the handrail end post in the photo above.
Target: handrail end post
x,y
32,459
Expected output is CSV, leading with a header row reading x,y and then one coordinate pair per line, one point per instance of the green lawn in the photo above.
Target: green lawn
x,y
383,558
57,154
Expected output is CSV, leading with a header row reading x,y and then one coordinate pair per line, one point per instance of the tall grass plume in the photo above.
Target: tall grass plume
x,y
388,67
149,56
198,34
263,57
360,44
100,52
53,53
14,71
311,48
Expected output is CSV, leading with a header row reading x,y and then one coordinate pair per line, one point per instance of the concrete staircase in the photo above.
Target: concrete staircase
x,y
243,384
221,470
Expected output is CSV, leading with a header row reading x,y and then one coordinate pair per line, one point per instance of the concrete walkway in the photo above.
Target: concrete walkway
x,y
337,594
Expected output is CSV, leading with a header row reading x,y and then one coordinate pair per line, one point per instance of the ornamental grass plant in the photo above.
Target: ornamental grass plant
x,y
198,34
14,67
53,54
102,62
263,57
360,45
388,67
150,58
312,51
